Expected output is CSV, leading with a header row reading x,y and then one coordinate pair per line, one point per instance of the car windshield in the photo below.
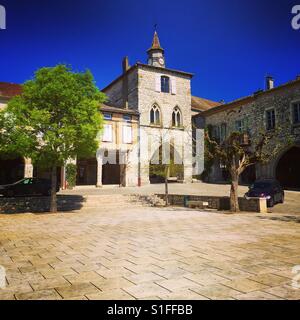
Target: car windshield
x,y
261,185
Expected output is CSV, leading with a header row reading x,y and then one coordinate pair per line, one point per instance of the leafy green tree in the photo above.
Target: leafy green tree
x,y
57,117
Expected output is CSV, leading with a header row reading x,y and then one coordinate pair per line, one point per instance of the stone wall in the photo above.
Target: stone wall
x,y
115,92
254,110
218,203
39,204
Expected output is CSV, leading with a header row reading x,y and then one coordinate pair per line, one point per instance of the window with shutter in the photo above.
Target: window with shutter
x,y
173,86
127,134
165,84
107,133
157,83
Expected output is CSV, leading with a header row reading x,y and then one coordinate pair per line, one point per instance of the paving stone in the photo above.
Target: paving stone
x,y
111,283
216,292
271,280
115,294
77,290
256,295
285,292
244,285
49,294
145,290
177,284
144,277
139,252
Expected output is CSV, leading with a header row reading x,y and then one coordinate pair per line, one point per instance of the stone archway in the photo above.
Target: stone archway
x,y
156,166
288,168
11,169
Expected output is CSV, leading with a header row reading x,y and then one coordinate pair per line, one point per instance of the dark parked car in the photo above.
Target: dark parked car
x,y
27,187
269,189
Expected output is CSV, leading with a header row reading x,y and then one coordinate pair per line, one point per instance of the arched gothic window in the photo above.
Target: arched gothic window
x,y
176,118
155,115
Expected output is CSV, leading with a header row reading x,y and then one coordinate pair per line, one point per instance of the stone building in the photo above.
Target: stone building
x,y
274,107
150,108
162,97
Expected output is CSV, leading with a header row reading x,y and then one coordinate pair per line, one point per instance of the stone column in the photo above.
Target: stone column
x,y
188,158
28,168
99,171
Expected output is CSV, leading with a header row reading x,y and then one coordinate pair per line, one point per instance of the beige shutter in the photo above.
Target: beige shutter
x,y
157,83
107,134
173,86
127,134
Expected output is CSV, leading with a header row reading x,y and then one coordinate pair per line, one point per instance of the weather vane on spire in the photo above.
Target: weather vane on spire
x,y
155,27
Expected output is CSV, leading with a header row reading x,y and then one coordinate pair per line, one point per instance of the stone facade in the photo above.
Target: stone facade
x,y
139,88
142,96
253,112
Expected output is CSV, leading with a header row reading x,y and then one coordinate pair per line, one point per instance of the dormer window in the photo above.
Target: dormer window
x,y
155,115
165,84
176,118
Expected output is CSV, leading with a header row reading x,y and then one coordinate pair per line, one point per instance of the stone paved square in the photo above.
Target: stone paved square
x,y
130,251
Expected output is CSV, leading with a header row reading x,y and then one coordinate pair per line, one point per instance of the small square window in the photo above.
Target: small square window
x,y
127,118
107,116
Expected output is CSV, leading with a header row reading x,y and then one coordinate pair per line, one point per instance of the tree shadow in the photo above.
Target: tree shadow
x,y
289,218
40,205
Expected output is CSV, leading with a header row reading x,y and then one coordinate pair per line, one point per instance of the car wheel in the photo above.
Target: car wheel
x,y
271,203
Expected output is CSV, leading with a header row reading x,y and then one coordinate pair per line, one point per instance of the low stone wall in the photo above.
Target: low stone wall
x,y
219,203
39,204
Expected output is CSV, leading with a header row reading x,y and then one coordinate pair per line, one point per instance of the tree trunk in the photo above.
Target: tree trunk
x,y
234,198
167,173
53,202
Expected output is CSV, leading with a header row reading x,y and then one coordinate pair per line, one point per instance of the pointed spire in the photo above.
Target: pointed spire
x,y
156,43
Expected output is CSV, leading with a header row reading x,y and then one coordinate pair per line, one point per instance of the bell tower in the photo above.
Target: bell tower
x,y
156,56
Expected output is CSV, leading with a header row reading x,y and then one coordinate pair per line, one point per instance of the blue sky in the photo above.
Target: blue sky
x,y
229,45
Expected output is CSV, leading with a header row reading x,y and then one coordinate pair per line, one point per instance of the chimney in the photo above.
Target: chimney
x,y
270,83
125,65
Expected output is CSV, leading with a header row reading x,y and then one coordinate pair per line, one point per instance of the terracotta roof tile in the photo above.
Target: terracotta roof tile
x,y
202,104
9,90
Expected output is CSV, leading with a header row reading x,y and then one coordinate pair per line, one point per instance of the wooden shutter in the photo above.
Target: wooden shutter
x,y
127,134
157,83
173,86
107,134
